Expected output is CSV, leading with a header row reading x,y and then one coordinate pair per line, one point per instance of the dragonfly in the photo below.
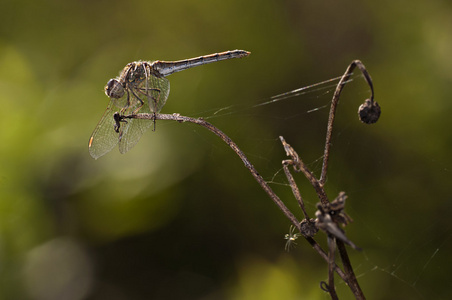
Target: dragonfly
x,y
141,87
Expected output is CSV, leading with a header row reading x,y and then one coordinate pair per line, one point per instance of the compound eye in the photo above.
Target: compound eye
x,y
114,89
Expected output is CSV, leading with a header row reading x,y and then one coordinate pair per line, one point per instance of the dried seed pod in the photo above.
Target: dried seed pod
x,y
308,228
369,112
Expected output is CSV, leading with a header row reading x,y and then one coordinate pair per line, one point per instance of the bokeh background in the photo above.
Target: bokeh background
x,y
179,217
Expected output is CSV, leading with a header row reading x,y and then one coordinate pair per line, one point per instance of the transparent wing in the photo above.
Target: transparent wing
x,y
132,130
153,93
104,137
156,92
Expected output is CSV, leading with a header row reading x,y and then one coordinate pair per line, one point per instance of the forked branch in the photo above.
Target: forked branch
x,y
329,215
248,165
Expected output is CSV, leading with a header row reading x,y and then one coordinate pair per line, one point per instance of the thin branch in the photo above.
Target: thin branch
x,y
331,286
295,190
299,165
322,253
227,140
248,165
351,277
334,102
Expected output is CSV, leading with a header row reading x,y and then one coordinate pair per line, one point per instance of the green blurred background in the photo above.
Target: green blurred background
x,y
179,217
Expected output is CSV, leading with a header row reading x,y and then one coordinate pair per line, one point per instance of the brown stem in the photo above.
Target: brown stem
x,y
227,140
331,286
295,190
299,165
334,102
248,165
351,278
